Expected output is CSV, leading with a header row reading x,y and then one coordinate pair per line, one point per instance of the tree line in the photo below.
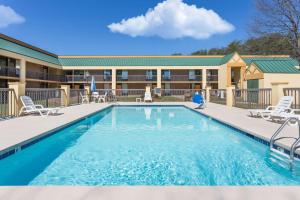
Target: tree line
x,y
268,44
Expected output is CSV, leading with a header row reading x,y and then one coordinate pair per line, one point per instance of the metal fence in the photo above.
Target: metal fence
x,y
180,92
252,98
218,96
47,97
8,103
294,92
75,96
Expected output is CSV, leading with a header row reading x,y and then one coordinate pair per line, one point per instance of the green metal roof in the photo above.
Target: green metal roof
x,y
22,50
141,61
249,60
277,66
226,58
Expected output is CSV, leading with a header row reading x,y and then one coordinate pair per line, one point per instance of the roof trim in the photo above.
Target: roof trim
x,y
141,56
5,37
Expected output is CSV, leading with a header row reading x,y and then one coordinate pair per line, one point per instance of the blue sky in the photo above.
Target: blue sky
x,y
68,27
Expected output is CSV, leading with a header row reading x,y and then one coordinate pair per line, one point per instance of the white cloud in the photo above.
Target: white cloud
x,y
174,19
8,16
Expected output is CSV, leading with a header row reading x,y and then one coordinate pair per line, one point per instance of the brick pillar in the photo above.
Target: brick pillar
x,y
207,91
65,96
229,96
14,100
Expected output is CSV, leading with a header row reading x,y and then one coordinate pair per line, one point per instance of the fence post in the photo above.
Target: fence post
x,y
19,90
207,91
229,96
65,89
277,92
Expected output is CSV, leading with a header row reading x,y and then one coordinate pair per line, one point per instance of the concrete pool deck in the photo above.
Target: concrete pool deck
x,y
19,131
149,193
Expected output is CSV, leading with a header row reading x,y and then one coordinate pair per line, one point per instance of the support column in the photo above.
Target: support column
x,y
277,92
204,81
158,80
114,80
21,64
207,91
229,96
14,100
65,96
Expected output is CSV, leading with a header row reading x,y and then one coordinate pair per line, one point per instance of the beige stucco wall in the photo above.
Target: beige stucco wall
x,y
222,76
292,80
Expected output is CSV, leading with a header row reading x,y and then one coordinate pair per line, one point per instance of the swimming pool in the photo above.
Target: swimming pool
x,y
145,145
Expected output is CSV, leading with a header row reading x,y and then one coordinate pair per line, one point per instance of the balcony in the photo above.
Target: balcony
x,y
9,71
137,78
44,76
182,78
83,78
212,78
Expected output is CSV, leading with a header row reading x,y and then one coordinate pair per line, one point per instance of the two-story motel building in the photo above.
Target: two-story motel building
x,y
37,68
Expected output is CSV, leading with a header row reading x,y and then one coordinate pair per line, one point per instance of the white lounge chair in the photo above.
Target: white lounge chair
x,y
84,98
147,97
30,108
283,106
294,113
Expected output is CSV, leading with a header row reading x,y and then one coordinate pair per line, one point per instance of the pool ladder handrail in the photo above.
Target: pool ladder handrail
x,y
295,145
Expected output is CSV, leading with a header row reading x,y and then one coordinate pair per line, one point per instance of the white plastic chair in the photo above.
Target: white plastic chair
x,y
84,98
147,97
30,108
102,98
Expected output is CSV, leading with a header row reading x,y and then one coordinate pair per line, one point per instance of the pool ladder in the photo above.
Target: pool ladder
x,y
294,146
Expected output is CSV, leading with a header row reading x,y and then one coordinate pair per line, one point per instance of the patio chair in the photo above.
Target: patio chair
x,y
102,98
147,97
283,106
84,98
30,108
198,99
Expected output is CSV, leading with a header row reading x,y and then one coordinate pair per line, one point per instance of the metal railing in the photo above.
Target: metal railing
x,y
180,92
218,96
47,97
294,92
212,78
130,92
137,78
8,103
9,71
75,97
83,78
182,78
44,76
252,98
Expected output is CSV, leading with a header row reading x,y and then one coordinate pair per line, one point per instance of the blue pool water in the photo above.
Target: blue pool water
x,y
145,146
